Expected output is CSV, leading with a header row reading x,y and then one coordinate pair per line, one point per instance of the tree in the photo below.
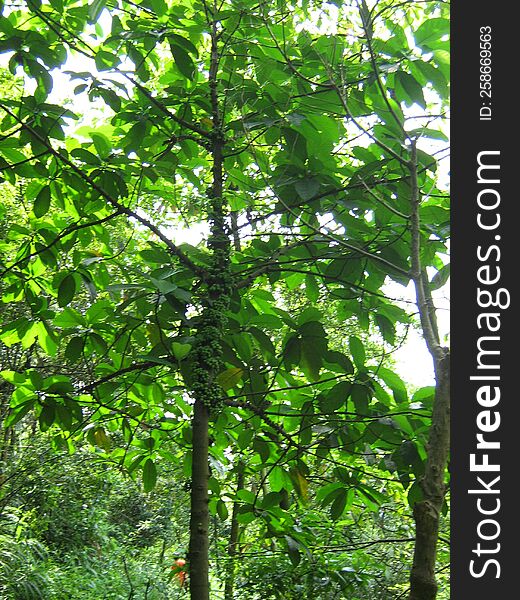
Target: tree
x,y
301,152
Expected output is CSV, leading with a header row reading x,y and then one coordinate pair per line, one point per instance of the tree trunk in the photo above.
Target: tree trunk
x,y
233,541
199,518
207,352
423,585
426,512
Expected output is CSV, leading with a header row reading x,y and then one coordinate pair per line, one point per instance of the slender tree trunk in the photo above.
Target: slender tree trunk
x,y
232,549
199,517
426,512
423,585
207,351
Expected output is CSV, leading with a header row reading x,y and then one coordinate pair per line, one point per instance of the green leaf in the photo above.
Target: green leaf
x,y
17,414
262,448
182,59
36,379
66,290
105,60
13,377
338,358
222,510
95,9
246,496
307,188
42,76
296,145
440,278
336,397
278,479
432,75
292,352
244,438
178,40
431,30
394,382
98,343
101,438
42,202
425,396
47,416
386,327
266,320
160,7
111,98
47,338
413,90
326,494
358,351
271,499
311,358
85,156
69,318
63,417
311,288
293,550
74,349
179,350
433,134
338,505
360,397
101,143
300,483
149,475
155,256
415,494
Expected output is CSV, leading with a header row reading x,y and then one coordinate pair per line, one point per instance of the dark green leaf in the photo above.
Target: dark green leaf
x,y
42,202
183,60
47,416
293,550
415,494
18,413
311,358
412,89
307,188
149,475
336,397
386,327
66,290
74,348
360,396
338,505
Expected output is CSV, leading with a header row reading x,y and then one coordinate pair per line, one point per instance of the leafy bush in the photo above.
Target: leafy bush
x,y
23,573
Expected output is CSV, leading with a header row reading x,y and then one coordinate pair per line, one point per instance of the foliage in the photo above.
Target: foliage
x,y
297,141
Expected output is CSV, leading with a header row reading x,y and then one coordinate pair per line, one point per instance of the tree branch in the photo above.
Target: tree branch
x,y
175,250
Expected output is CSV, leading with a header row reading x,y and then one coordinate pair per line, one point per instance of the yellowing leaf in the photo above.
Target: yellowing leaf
x,y
229,378
301,485
101,438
